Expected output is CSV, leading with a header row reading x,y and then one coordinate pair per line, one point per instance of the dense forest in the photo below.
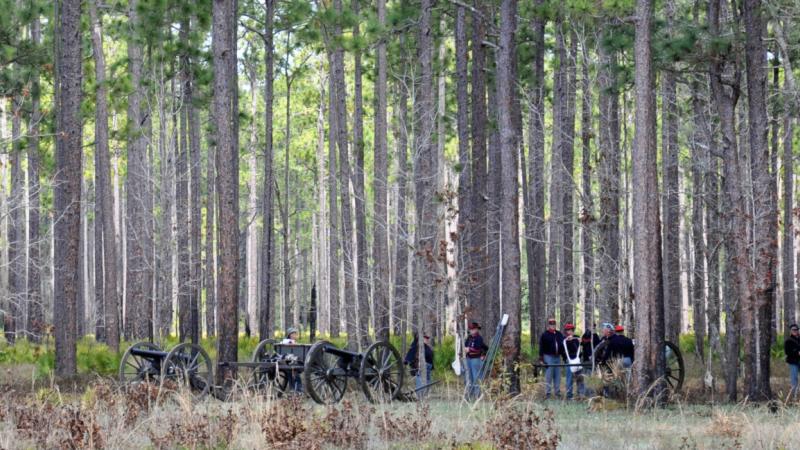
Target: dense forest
x,y
367,169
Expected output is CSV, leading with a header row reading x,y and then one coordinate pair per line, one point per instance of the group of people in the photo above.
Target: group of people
x,y
475,350
557,349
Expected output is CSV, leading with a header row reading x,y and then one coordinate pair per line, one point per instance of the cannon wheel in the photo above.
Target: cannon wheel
x,y
188,365
381,373
675,369
268,375
133,368
323,379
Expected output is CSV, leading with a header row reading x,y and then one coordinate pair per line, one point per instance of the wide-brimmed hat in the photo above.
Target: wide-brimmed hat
x,y
474,326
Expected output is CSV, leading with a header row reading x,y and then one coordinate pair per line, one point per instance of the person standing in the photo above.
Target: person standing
x,y
295,383
572,355
412,359
589,341
792,349
622,346
476,350
550,353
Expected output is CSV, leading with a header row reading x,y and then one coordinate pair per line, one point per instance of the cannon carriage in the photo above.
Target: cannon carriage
x,y
185,365
325,368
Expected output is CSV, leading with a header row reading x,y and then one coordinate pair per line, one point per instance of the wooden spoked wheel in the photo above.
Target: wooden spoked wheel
x,y
324,379
267,377
188,365
675,370
381,373
134,368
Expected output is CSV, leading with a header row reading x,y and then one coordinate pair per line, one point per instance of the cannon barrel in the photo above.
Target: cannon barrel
x,y
145,353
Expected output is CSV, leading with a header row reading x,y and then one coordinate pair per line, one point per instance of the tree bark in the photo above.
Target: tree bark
x,y
700,157
789,291
535,225
105,235
266,307
400,305
724,79
362,254
476,301
465,183
252,209
647,270
136,310
587,214
608,245
36,321
67,184
195,204
335,266
567,300
224,20
380,249
182,200
509,232
757,321
670,195
340,97
425,173
210,281
15,317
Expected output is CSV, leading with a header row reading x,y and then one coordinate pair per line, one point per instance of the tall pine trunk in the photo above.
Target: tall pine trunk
x,y
509,212
670,197
67,183
400,304
425,172
608,245
587,214
380,227
476,301
136,289
265,305
362,255
647,270
36,325
757,321
535,225
225,108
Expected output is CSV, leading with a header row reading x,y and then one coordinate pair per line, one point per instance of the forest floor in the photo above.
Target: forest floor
x,y
98,413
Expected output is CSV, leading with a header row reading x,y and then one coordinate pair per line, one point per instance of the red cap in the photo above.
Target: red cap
x,y
474,326
619,328
569,326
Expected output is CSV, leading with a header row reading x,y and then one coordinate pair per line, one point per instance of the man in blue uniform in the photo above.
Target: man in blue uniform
x,y
412,359
572,355
550,352
475,350
622,347
792,349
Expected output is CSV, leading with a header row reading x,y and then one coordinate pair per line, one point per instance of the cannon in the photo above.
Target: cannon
x,y
273,364
186,365
379,372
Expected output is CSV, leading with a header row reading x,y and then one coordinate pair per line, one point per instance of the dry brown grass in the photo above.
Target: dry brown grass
x,y
108,416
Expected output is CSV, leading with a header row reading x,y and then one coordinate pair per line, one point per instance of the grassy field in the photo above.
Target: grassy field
x,y
93,411
104,415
